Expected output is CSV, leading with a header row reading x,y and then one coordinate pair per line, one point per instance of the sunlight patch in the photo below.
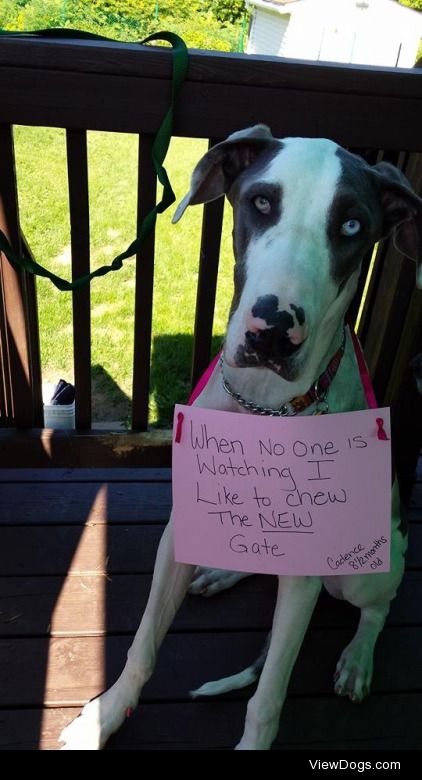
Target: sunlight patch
x,y
104,308
85,584
65,256
104,251
112,334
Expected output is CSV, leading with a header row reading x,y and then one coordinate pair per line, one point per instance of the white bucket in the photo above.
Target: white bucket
x,y
57,415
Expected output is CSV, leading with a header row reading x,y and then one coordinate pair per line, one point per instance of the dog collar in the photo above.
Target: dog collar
x,y
317,393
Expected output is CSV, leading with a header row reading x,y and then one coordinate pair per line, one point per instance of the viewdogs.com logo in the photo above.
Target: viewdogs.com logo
x,y
359,766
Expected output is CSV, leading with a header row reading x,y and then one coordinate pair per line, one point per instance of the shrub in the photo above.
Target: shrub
x,y
201,23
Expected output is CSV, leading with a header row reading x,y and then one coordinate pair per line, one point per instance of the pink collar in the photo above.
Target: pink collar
x,y
203,380
363,371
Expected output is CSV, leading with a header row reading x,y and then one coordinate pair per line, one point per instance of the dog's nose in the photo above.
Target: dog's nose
x,y
275,331
271,342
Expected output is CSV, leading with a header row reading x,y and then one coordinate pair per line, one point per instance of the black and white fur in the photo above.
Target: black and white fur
x,y
305,213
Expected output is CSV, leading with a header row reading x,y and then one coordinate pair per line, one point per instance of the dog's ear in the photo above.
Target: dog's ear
x,y
218,168
402,210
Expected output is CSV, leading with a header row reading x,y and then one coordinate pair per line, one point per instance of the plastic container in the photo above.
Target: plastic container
x,y
57,415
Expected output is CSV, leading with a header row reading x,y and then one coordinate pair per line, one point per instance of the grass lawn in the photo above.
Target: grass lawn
x,y
43,201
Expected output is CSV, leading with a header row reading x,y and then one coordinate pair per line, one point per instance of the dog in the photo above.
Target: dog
x,y
306,211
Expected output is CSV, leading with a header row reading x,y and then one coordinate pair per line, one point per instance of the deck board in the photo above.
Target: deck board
x,y
186,661
75,563
216,726
102,549
94,502
27,604
88,549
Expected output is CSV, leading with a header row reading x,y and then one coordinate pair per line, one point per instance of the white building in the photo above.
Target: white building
x,y
372,32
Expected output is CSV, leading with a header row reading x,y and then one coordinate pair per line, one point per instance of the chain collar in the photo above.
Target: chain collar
x,y
317,393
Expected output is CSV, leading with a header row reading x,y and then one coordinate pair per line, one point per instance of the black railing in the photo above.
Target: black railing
x,y
84,86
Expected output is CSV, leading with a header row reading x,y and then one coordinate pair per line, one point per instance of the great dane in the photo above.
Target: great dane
x,y
306,211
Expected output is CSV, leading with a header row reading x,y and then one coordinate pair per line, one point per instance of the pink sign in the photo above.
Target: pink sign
x,y
292,495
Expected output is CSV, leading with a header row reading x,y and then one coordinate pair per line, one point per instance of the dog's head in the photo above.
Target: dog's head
x,y
305,213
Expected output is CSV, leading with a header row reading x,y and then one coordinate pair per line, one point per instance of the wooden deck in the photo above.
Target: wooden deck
x,y
76,552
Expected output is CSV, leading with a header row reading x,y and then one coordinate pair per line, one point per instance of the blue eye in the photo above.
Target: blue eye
x,y
350,228
262,204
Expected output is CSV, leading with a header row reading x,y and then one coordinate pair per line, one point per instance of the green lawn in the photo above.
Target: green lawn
x,y
42,179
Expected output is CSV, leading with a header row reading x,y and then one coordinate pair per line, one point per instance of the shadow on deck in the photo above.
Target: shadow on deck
x,y
77,549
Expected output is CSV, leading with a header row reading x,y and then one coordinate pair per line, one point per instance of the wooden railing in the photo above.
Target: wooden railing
x,y
84,86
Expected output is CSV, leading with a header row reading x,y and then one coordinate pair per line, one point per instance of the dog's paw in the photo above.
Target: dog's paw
x,y
208,582
99,719
353,673
84,733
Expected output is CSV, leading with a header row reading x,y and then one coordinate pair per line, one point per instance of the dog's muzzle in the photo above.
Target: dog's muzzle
x,y
271,344
275,330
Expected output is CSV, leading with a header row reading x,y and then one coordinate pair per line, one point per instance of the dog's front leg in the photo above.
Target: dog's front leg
x,y
296,600
104,715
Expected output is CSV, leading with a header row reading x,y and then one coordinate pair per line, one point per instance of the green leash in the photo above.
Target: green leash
x,y
159,151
